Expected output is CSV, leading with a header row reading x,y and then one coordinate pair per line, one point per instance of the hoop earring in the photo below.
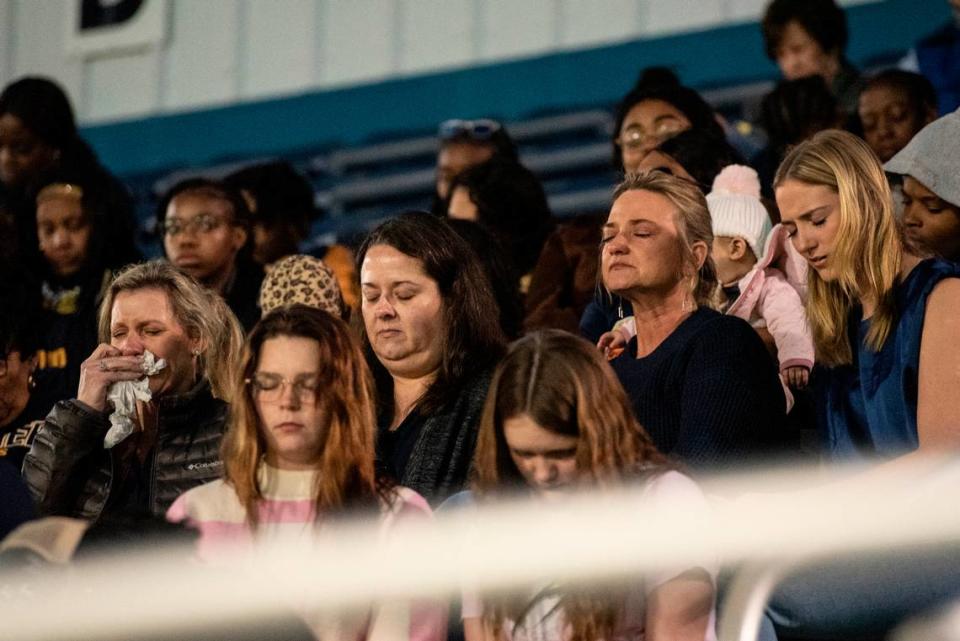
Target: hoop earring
x,y
31,382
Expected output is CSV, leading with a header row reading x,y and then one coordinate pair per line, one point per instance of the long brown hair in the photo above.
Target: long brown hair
x,y
868,249
346,399
564,385
201,312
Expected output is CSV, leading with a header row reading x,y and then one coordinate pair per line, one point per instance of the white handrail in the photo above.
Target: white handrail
x,y
589,537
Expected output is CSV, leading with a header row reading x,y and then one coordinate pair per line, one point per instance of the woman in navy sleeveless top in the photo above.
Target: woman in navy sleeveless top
x,y
884,321
885,326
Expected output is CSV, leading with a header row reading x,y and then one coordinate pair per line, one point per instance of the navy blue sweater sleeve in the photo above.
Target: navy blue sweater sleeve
x,y
732,404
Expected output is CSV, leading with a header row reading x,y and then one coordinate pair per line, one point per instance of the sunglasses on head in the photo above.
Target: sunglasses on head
x,y
482,129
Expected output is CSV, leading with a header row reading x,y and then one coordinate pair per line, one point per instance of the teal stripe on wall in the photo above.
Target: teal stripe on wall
x,y
508,90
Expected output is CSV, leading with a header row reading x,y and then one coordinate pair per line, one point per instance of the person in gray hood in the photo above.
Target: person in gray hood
x,y
931,188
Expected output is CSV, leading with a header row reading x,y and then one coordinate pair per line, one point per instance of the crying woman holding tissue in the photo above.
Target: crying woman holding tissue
x,y
150,410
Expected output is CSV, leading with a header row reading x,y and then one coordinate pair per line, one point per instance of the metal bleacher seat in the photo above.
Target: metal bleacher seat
x,y
383,175
361,185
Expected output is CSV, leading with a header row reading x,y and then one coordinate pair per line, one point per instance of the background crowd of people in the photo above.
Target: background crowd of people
x,y
731,309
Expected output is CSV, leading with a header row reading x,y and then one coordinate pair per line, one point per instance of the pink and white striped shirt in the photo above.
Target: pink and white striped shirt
x,y
287,511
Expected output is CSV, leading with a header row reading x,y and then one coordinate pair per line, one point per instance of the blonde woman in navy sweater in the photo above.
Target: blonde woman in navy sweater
x,y
701,383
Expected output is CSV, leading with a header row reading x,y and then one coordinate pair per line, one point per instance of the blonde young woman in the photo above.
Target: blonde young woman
x,y
175,446
299,452
884,321
885,325
557,420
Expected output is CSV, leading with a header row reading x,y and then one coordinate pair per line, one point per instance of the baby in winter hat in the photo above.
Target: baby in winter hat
x,y
741,225
746,249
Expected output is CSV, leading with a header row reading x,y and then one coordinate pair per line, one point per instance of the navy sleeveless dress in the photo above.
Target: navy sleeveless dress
x,y
868,410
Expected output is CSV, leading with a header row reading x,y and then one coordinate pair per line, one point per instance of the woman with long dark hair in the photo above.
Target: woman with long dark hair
x,y
431,323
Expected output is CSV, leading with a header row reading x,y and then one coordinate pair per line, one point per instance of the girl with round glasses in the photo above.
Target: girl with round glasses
x,y
299,452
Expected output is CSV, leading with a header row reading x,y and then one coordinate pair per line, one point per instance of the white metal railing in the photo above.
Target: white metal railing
x,y
767,519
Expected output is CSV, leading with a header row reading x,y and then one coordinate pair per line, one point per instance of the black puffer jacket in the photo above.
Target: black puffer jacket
x,y
69,472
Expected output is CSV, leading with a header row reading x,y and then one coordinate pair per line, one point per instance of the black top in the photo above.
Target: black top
x,y
17,436
70,473
394,447
431,454
709,394
243,294
16,506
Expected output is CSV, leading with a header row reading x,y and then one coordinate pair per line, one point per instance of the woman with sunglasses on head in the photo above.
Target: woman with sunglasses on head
x,y
299,452
464,144
556,421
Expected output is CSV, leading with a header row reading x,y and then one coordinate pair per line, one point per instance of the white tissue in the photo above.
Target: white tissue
x,y
124,396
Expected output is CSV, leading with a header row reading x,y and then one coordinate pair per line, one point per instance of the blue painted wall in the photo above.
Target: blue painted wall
x,y
508,91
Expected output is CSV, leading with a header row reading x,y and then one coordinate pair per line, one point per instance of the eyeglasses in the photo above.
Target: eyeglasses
x,y
635,137
204,223
269,387
482,129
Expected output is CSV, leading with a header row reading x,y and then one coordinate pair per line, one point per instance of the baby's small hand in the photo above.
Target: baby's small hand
x,y
796,377
611,344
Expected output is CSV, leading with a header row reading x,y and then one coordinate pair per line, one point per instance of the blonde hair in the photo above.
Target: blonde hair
x,y
347,476
201,312
867,252
693,225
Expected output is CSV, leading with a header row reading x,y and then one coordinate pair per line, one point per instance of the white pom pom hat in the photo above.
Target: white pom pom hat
x,y
735,207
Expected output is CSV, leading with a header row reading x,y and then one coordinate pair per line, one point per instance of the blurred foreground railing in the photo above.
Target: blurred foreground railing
x,y
764,520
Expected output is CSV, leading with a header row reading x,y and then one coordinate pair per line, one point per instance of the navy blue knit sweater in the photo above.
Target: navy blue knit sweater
x,y
709,394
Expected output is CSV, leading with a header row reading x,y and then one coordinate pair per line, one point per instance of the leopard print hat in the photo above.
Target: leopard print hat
x,y
300,279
